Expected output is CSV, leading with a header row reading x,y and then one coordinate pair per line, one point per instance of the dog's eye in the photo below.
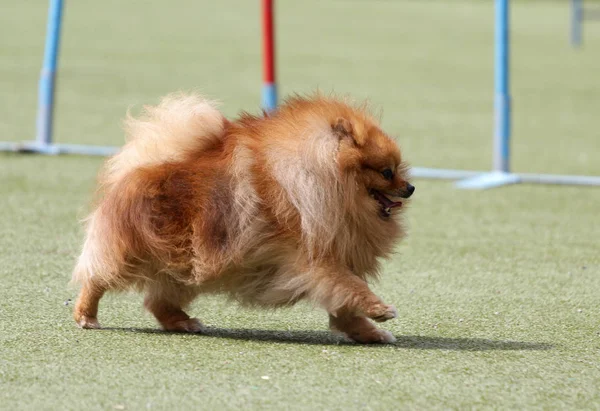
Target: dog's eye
x,y
388,174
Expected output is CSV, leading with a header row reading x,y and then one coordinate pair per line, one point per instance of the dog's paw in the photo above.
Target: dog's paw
x,y
191,325
88,322
382,312
375,336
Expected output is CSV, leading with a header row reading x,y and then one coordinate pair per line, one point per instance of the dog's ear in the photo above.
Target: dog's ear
x,y
343,128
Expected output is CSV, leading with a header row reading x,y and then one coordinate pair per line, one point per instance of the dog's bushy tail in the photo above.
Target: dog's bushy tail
x,y
181,124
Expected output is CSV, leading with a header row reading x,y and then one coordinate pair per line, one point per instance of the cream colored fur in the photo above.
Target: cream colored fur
x,y
179,125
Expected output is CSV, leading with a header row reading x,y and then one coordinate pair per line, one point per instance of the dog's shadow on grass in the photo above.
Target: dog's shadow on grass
x,y
415,342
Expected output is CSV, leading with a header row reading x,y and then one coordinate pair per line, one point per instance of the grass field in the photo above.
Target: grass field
x,y
498,291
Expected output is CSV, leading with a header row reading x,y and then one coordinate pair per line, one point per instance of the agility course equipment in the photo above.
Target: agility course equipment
x,y
43,143
269,92
578,15
499,175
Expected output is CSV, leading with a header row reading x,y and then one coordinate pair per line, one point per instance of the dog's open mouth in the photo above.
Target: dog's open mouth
x,y
386,204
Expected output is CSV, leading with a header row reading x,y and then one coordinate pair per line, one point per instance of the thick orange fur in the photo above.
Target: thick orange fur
x,y
269,210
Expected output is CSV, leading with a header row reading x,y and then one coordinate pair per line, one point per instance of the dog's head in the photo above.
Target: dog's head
x,y
374,160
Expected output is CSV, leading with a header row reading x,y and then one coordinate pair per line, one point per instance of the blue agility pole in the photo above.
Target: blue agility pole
x,y
48,75
502,121
501,174
43,143
578,14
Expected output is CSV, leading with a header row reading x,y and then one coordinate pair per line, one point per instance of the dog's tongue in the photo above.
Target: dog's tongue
x,y
386,202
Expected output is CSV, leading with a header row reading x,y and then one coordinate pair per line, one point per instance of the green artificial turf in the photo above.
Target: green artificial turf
x,y
498,292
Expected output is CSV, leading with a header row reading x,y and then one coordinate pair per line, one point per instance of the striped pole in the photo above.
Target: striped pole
x,y
269,92
501,81
48,75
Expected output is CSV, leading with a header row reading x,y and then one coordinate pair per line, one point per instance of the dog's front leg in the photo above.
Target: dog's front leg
x,y
350,304
358,328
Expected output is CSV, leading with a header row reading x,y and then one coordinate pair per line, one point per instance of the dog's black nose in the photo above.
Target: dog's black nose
x,y
410,189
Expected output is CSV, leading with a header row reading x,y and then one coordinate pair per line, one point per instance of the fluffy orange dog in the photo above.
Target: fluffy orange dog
x,y
270,210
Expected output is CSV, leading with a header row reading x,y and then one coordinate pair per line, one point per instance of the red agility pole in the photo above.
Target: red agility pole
x,y
269,92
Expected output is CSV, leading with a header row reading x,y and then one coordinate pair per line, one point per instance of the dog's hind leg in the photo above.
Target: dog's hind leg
x,y
86,308
166,301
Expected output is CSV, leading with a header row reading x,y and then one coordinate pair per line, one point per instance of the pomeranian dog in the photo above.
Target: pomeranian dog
x,y
298,204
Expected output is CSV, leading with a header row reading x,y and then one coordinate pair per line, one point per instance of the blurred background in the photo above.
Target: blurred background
x,y
428,65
